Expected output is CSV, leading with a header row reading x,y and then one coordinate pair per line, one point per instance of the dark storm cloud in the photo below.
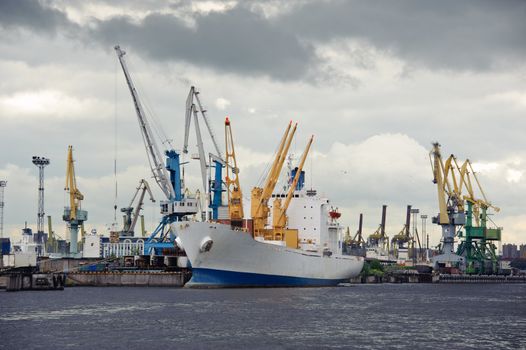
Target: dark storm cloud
x,y
31,14
234,41
456,35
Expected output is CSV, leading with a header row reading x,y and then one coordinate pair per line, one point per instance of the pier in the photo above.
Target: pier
x,y
128,279
18,281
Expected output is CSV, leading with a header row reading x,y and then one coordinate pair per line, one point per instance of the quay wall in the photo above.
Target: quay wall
x,y
127,279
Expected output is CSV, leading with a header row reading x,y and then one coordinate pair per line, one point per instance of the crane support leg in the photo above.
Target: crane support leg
x,y
217,190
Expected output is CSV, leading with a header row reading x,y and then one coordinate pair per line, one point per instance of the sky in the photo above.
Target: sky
x,y
375,82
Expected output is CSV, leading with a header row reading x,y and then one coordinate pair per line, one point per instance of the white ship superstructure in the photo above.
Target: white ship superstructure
x,y
309,214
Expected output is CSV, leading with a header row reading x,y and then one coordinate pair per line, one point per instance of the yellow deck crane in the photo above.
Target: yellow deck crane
x,y
451,207
260,195
279,211
235,196
73,214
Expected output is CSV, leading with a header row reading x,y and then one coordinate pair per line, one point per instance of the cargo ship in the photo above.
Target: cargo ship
x,y
293,238
226,256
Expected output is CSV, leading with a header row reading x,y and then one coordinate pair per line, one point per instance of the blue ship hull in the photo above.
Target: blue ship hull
x,y
211,278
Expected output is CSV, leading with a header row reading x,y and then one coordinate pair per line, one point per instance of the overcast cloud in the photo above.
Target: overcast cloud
x,y
375,81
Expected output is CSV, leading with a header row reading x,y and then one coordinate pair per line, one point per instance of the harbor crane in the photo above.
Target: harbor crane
x,y
279,211
451,207
354,245
52,240
261,195
477,244
211,187
131,216
234,193
402,241
379,239
168,177
73,214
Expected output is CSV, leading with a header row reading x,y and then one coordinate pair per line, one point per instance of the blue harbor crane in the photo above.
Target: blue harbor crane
x,y
214,188
167,175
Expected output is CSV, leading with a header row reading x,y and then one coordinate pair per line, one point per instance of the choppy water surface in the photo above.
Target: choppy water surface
x,y
387,316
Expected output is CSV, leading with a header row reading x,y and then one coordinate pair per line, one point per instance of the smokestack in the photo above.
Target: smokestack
x,y
407,220
360,225
384,210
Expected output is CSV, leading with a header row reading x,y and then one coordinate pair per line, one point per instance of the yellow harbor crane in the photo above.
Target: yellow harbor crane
x,y
235,196
451,207
261,195
279,211
73,214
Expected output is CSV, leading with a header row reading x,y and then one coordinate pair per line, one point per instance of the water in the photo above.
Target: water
x,y
386,316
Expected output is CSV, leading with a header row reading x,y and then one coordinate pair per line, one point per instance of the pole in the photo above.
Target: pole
x,y
3,184
424,231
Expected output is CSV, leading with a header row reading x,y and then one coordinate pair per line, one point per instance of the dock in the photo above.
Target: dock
x,y
19,281
479,279
128,279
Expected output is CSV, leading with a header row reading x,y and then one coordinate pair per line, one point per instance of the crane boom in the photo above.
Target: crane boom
x,y
192,109
131,217
235,196
201,150
273,176
208,126
437,167
75,197
188,118
296,177
280,218
73,214
260,196
155,159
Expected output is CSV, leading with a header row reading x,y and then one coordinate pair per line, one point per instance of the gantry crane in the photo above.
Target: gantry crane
x,y
73,214
213,188
234,193
261,195
477,244
131,216
279,211
451,207
168,177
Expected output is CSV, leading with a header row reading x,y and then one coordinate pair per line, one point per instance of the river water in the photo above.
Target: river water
x,y
383,316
